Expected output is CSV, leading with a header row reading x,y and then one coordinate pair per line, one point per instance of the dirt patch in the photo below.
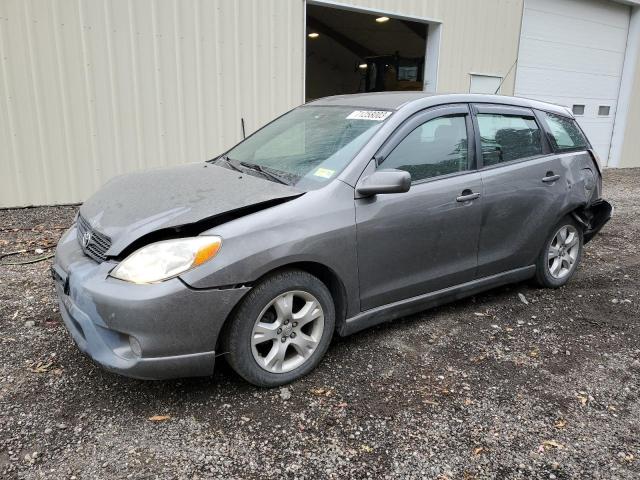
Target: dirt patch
x,y
487,387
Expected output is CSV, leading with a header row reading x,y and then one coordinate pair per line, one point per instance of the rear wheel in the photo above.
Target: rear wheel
x,y
282,329
560,257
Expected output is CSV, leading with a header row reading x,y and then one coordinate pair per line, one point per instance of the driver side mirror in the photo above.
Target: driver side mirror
x,y
384,181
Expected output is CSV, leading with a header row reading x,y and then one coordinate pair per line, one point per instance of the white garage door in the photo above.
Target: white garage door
x,y
572,53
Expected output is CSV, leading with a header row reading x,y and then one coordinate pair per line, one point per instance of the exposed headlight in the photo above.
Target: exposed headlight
x,y
163,260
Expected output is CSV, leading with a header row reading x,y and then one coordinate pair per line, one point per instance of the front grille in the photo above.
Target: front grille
x,y
93,243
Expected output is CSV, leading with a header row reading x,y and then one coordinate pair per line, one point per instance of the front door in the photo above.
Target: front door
x,y
425,239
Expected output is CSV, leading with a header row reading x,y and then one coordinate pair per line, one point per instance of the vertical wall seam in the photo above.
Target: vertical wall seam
x,y
95,158
199,107
158,84
16,158
64,99
218,78
179,80
236,86
115,113
137,107
33,69
255,109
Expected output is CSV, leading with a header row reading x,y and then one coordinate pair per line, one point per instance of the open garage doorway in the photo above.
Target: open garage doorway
x,y
351,51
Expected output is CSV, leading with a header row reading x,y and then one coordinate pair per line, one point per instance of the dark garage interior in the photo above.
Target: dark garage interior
x,y
352,52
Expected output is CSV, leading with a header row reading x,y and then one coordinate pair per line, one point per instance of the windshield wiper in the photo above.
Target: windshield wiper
x,y
265,173
227,161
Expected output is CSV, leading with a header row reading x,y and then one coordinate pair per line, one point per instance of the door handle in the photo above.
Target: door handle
x,y
550,178
467,196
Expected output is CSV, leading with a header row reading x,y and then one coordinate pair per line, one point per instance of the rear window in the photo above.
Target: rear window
x,y
505,138
565,133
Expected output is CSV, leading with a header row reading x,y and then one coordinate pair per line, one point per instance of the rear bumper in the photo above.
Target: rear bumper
x,y
596,216
158,331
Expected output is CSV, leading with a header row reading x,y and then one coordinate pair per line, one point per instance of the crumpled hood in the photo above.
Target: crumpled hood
x,y
131,206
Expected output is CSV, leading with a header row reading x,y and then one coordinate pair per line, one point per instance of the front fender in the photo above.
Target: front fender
x,y
318,227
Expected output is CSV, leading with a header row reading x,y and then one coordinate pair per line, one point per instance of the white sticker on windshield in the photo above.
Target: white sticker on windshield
x,y
376,115
324,172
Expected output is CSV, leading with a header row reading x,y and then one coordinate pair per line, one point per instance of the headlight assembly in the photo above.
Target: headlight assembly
x,y
163,260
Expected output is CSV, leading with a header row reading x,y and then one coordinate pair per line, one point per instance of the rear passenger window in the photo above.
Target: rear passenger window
x,y
437,147
508,137
565,133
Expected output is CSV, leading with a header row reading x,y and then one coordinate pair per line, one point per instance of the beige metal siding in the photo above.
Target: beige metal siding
x,y
90,88
477,36
631,147
630,142
93,88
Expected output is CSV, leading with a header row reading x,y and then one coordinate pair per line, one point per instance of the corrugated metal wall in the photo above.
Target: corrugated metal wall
x,y
93,88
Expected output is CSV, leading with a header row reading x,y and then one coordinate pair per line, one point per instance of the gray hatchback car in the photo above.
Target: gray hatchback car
x,y
341,214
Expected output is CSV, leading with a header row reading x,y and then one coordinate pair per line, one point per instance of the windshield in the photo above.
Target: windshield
x,y
308,146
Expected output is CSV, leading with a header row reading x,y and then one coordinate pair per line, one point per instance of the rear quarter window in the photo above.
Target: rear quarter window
x,y
565,133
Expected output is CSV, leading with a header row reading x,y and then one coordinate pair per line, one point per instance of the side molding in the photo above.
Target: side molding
x,y
412,305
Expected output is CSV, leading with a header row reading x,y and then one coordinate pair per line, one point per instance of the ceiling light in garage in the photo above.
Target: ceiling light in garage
x,y
313,35
362,66
382,19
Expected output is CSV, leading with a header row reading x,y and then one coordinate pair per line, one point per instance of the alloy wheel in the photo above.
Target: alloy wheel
x,y
287,331
563,251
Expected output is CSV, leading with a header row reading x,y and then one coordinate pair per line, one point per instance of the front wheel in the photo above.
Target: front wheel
x,y
281,330
560,256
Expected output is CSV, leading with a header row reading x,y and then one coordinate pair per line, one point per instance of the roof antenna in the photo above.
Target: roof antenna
x,y
244,135
505,77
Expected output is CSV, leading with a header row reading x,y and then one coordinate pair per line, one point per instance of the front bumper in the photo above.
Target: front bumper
x,y
173,327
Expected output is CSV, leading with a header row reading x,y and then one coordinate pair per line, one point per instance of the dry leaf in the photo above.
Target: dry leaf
x,y
322,392
534,353
430,402
478,450
41,367
366,448
560,423
552,443
159,418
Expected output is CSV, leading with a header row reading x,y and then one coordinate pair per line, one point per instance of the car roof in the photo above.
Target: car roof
x,y
397,100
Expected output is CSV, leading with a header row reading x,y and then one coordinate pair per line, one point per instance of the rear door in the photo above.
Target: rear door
x,y
424,239
525,187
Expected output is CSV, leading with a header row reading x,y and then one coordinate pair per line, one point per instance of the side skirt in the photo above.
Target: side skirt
x,y
412,305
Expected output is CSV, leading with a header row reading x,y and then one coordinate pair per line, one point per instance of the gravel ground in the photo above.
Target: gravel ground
x,y
489,387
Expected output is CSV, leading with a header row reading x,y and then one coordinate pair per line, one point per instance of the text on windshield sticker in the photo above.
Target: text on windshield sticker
x,y
376,115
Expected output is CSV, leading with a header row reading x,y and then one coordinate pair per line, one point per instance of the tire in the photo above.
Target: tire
x,y
555,272
265,321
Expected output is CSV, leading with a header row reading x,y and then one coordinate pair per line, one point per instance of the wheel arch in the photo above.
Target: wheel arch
x,y
325,274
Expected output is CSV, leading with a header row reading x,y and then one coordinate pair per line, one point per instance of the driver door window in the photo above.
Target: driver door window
x,y
437,147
